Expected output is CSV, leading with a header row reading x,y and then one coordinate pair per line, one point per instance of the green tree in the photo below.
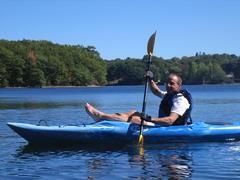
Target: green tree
x,y
216,73
15,72
3,76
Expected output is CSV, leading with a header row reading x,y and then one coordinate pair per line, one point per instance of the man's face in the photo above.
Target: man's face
x,y
172,84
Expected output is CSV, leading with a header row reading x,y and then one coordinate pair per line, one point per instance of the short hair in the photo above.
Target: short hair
x,y
178,77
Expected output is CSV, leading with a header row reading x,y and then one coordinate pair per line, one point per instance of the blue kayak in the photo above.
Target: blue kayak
x,y
112,132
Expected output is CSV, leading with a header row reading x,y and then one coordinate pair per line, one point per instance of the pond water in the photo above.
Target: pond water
x,y
57,106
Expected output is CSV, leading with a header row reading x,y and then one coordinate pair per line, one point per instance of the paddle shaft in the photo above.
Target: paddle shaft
x,y
146,87
150,46
145,93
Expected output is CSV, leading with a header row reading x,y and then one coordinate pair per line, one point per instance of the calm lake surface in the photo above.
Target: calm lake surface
x,y
212,103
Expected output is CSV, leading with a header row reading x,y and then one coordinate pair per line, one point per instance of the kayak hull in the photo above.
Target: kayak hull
x,y
114,132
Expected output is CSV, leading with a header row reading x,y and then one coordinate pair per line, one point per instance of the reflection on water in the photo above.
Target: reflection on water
x,y
157,162
38,105
154,162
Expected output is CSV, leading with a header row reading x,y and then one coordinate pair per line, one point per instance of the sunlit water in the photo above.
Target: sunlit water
x,y
57,106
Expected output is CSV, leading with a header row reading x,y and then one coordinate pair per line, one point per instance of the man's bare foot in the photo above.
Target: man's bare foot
x,y
94,113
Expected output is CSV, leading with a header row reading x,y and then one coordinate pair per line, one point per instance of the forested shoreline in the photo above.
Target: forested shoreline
x,y
29,63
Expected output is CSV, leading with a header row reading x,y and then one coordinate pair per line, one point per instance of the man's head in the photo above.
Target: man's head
x,y
173,83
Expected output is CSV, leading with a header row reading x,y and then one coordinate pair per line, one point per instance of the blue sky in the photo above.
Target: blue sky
x,y
120,29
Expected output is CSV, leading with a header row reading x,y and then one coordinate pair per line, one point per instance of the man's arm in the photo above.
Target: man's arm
x,y
168,120
155,89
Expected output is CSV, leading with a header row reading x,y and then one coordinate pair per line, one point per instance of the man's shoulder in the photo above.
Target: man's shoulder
x,y
184,95
179,95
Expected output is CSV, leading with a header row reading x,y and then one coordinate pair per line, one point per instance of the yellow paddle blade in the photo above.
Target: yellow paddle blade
x,y
150,44
141,150
140,140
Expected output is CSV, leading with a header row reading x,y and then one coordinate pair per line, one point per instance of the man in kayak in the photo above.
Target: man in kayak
x,y
175,107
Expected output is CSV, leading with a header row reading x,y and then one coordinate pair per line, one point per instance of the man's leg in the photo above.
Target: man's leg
x,y
99,115
131,116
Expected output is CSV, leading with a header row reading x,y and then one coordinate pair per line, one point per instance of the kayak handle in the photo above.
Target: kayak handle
x,y
42,121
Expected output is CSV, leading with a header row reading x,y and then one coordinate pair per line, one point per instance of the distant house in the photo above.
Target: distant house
x,y
230,77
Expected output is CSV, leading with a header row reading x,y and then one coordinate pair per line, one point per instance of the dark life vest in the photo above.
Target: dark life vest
x,y
167,103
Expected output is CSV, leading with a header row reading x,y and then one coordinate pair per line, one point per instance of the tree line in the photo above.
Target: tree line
x,y
198,69
30,63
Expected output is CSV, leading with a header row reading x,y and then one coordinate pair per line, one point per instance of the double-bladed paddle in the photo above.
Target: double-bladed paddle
x,y
150,47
